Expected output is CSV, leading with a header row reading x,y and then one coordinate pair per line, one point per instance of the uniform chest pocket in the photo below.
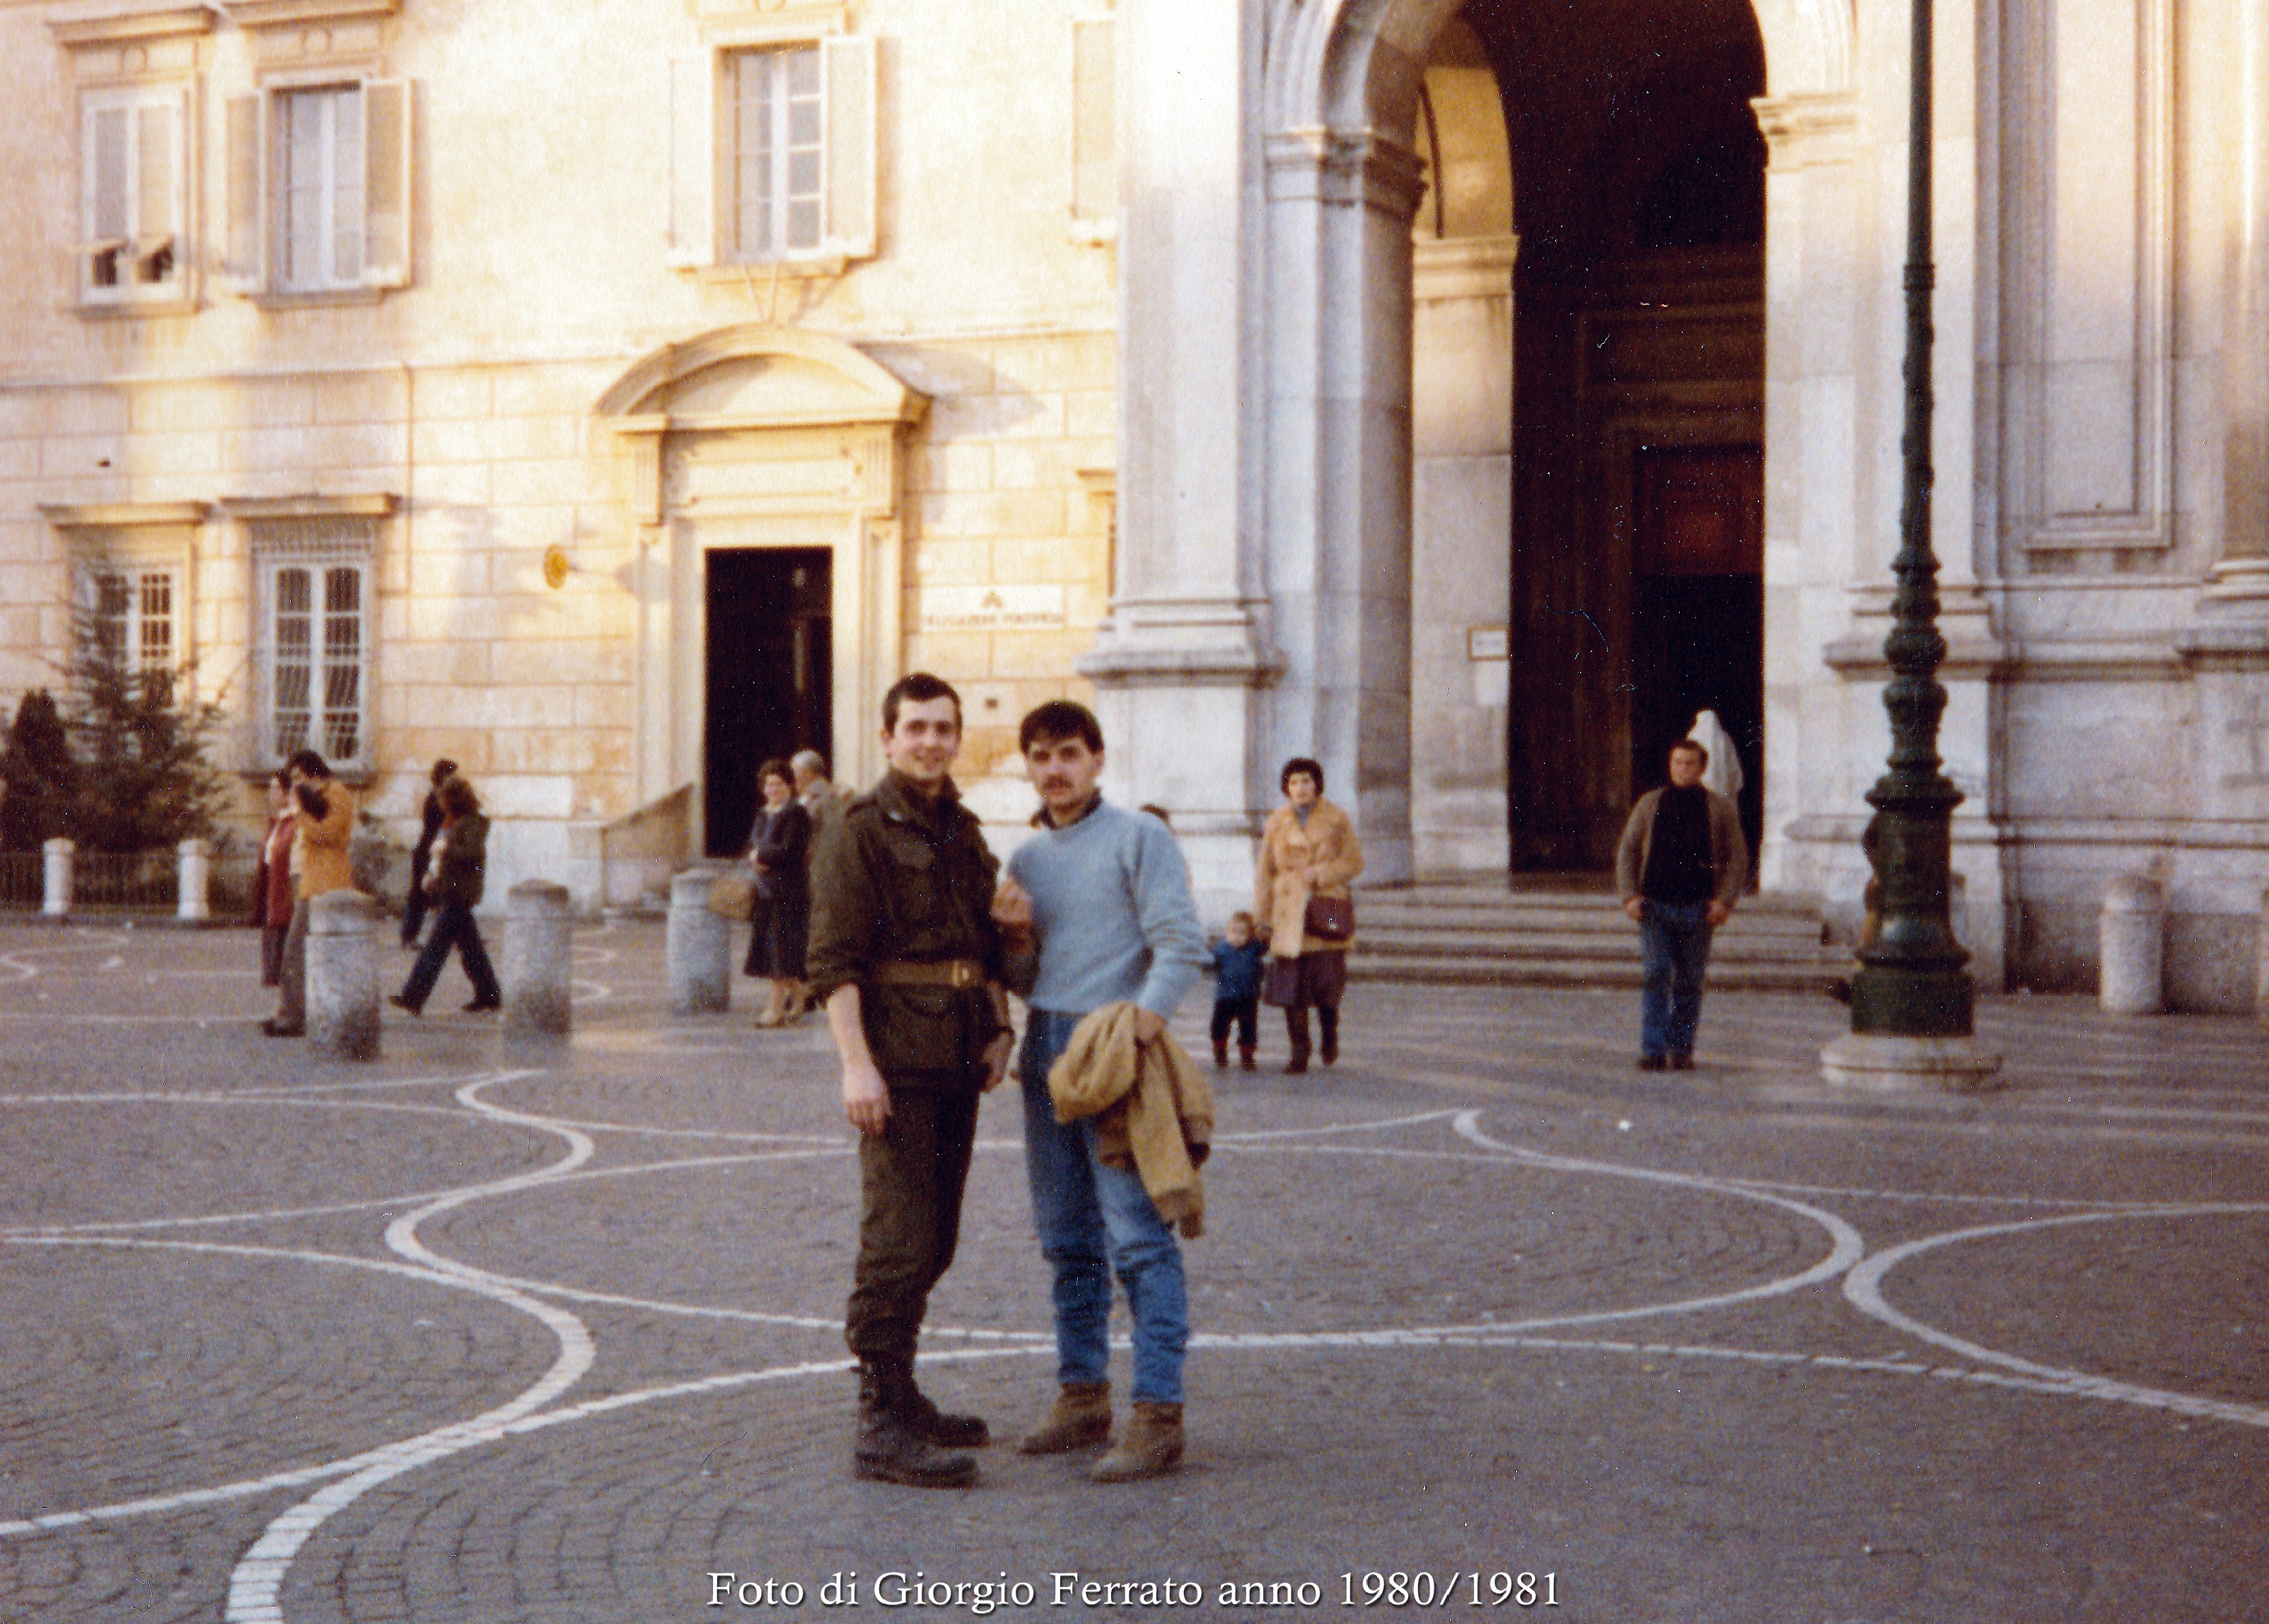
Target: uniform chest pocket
x,y
914,877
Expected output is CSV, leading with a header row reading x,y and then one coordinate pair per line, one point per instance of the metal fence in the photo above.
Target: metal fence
x,y
145,883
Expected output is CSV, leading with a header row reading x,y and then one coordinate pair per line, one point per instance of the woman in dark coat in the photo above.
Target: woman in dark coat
x,y
460,862
779,849
272,891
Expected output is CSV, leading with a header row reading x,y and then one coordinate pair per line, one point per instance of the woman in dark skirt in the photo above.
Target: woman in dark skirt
x,y
1308,852
780,846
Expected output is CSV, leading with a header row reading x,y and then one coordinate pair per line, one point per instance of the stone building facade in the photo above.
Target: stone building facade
x,y
607,395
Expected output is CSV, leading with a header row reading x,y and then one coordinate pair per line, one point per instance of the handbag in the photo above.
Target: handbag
x,y
732,895
1329,918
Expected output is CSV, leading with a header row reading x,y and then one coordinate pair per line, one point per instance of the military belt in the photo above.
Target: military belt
x,y
957,972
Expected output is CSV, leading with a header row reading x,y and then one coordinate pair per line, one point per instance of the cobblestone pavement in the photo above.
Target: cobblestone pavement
x,y
1489,1324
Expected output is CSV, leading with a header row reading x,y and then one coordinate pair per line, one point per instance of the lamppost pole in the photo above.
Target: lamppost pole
x,y
1912,1014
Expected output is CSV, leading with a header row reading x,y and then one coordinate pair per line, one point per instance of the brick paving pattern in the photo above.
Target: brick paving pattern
x,y
497,1332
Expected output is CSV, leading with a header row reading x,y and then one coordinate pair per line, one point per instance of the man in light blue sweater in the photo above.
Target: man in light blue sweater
x,y
1097,910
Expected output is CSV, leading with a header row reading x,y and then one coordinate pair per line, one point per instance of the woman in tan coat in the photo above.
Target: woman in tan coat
x,y
1307,851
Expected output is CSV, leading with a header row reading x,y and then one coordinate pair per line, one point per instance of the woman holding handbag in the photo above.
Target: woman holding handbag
x,y
1308,853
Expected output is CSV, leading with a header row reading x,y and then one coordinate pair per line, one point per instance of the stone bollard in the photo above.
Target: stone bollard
x,y
700,946
59,879
195,905
2133,942
342,977
2261,963
538,960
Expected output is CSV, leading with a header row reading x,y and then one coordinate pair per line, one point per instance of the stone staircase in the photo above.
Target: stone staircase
x,y
1556,932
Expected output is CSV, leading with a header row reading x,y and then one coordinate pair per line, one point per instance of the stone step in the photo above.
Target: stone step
x,y
1418,940
1400,915
1538,970
1571,933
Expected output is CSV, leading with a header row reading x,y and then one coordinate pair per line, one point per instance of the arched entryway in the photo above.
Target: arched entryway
x,y
1653,432
762,468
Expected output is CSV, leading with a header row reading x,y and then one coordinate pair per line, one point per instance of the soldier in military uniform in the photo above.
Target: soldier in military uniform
x,y
906,959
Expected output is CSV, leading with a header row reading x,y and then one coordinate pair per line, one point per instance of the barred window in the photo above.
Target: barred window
x,y
316,648
134,617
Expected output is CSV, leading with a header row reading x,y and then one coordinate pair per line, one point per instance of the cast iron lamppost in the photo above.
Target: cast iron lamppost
x,y
1911,1001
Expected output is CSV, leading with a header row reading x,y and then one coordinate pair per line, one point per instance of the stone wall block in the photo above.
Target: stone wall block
x,y
698,951
538,960
2134,946
342,977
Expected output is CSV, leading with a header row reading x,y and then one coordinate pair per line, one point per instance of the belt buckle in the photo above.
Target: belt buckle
x,y
963,974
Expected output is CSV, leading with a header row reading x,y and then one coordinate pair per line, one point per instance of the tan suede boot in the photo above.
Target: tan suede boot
x,y
1150,1446
1081,1416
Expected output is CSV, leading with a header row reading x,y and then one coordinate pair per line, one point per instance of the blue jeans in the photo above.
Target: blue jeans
x,y
1673,945
1094,1220
453,927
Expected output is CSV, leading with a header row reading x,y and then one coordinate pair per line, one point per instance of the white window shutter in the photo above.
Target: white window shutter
x,y
157,141
244,251
851,63
1094,123
693,159
103,225
386,115
162,190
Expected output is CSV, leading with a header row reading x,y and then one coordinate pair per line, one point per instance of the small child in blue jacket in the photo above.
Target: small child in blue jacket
x,y
1236,990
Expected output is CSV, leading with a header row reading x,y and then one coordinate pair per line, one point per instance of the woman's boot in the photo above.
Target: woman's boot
x,y
1296,1024
1330,1019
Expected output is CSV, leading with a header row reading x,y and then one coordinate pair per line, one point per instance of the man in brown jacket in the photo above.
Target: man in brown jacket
x,y
907,960
1679,868
324,809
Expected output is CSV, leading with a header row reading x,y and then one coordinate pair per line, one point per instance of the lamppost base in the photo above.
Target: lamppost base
x,y
1873,1063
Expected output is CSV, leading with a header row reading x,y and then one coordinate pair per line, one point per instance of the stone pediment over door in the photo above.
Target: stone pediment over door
x,y
758,436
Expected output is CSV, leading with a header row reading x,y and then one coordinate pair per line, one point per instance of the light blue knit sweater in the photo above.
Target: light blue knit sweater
x,y
1113,914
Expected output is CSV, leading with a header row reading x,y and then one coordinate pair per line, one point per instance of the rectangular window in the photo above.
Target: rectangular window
x,y
779,152
315,653
318,188
133,195
134,617
773,154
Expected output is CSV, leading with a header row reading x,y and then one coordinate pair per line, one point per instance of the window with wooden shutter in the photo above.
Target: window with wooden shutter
x,y
319,188
773,154
134,196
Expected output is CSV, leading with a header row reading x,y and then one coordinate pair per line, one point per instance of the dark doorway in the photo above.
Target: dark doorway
x,y
1697,611
769,687
1638,317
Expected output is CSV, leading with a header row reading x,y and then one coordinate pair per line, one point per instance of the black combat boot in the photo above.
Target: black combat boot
x,y
890,1450
924,1418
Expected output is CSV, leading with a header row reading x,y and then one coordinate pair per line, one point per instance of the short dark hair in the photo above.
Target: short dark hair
x,y
444,769
920,687
1301,764
308,763
457,798
1696,745
1056,720
775,769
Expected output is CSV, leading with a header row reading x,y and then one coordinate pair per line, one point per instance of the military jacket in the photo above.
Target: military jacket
x,y
895,880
